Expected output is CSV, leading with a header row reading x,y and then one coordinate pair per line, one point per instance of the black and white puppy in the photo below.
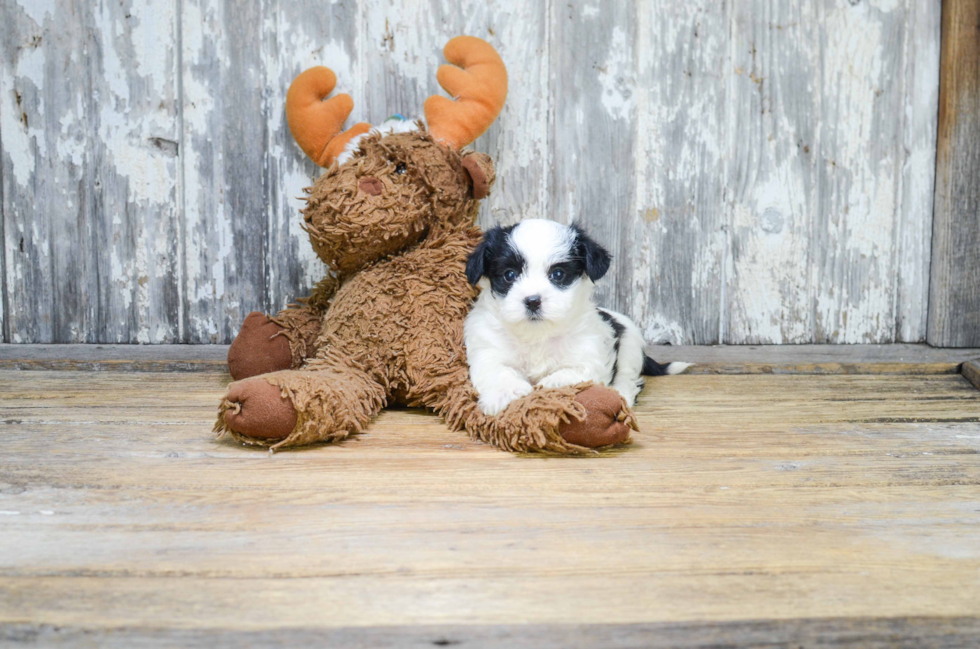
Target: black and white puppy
x,y
535,323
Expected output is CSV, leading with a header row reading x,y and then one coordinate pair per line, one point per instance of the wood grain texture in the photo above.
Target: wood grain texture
x,y
520,141
860,157
771,172
954,299
815,359
971,371
762,171
864,633
921,51
767,507
594,84
243,176
88,120
402,50
669,264
830,173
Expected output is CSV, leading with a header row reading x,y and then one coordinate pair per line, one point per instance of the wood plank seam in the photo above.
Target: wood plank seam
x,y
936,631
181,265
4,302
954,293
971,372
896,359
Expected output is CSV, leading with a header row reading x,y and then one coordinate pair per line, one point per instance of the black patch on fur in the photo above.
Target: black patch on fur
x,y
653,368
596,258
571,269
493,257
618,330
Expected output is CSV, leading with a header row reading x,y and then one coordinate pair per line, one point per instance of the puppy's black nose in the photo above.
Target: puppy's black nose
x,y
533,303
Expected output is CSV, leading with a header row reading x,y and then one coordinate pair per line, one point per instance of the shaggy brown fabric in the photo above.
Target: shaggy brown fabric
x,y
301,323
390,325
350,229
258,348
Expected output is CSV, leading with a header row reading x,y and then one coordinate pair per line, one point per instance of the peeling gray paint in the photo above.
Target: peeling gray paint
x,y
762,170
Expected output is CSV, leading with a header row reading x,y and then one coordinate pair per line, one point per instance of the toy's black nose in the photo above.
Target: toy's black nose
x,y
533,303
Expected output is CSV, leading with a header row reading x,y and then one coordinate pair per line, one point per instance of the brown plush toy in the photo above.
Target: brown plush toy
x,y
393,217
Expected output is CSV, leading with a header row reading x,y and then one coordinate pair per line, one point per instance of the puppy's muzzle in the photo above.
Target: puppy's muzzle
x,y
533,304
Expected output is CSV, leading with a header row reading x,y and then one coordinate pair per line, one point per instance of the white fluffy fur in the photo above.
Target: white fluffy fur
x,y
509,354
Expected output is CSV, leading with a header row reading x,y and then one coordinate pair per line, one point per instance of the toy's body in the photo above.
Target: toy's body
x,y
395,222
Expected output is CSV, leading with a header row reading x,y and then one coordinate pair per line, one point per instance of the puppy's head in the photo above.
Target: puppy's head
x,y
537,270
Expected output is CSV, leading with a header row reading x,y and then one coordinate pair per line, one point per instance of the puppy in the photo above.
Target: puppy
x,y
535,323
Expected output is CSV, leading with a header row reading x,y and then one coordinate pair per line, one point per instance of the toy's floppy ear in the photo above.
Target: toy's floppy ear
x,y
476,264
316,124
479,166
597,258
478,87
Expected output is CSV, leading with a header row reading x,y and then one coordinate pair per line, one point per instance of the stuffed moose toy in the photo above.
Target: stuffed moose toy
x,y
394,219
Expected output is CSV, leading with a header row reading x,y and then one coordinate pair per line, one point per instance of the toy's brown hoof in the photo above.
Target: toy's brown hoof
x,y
257,349
259,410
603,424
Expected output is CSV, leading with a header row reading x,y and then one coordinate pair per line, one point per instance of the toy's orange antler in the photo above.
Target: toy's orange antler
x,y
478,86
315,123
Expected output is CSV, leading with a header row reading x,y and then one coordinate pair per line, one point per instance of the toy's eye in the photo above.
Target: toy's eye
x,y
557,275
510,275
400,168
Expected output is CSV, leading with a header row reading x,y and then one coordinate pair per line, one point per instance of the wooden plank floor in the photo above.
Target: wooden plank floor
x,y
837,510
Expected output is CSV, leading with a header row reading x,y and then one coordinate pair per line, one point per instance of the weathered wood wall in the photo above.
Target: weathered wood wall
x,y
954,296
763,169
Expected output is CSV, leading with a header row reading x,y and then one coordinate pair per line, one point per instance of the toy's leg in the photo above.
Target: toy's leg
x,y
608,419
323,402
568,420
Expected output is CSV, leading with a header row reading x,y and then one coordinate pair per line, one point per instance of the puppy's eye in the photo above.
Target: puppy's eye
x,y
557,275
510,275
400,168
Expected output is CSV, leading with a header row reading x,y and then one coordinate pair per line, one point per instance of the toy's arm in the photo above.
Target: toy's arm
x,y
322,293
302,322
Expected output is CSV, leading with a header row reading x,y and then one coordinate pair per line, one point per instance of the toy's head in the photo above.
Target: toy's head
x,y
387,188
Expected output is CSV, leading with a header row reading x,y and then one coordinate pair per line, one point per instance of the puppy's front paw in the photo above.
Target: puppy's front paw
x,y
496,401
562,378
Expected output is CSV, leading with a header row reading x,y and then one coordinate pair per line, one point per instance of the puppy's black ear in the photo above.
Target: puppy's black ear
x,y
597,258
476,263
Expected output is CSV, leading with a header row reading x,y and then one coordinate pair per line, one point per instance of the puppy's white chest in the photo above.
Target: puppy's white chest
x,y
547,356
540,360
